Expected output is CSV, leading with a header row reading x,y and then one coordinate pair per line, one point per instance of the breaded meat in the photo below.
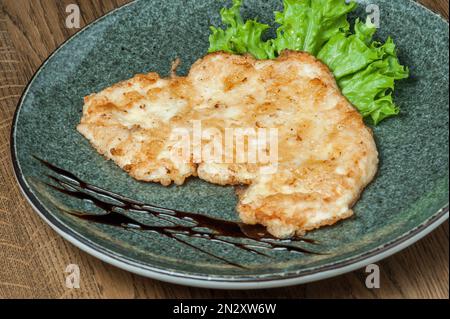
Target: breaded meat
x,y
326,155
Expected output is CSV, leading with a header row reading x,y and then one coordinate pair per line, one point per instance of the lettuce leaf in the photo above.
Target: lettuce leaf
x,y
346,54
240,37
305,25
365,70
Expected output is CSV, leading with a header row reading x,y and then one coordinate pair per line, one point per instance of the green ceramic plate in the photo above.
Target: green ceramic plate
x,y
408,199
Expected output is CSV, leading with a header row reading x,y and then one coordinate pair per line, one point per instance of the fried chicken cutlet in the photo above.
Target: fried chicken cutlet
x,y
326,154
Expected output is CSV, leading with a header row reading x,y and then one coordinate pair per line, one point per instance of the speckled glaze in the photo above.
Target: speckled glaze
x,y
408,197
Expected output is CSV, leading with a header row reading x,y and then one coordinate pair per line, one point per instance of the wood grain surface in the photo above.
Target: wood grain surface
x,y
33,258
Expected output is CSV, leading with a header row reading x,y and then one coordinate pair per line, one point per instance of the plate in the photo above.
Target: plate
x,y
59,172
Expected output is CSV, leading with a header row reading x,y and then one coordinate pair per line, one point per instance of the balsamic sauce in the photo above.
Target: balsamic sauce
x,y
218,230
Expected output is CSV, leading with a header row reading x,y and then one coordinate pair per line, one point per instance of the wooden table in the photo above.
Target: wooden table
x,y
33,258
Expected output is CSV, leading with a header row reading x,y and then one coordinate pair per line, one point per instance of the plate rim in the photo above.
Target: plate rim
x,y
210,281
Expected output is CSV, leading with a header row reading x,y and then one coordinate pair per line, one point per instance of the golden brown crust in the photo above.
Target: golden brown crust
x,y
326,154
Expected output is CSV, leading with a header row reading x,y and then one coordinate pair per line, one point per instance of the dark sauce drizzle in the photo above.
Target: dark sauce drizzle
x,y
219,230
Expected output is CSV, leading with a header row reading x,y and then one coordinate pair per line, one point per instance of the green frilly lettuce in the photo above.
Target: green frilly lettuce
x,y
240,37
366,70
308,25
